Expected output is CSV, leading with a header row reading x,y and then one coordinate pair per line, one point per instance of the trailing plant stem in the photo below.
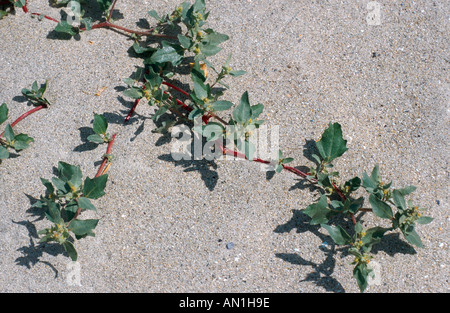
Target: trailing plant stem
x,y
25,115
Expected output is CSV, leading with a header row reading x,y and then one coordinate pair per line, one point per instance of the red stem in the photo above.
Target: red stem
x,y
105,159
176,88
111,10
47,17
108,24
25,115
133,108
24,8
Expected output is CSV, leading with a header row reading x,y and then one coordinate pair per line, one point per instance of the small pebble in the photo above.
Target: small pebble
x,y
230,245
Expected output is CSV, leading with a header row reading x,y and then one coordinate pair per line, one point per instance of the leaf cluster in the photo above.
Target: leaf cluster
x,y
385,203
66,196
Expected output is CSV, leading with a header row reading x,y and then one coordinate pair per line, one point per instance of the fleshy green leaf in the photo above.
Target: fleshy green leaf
x,y
65,28
134,93
424,220
399,199
212,131
243,112
332,144
361,273
70,174
83,227
412,236
169,52
319,212
237,73
95,138
100,124
86,204
4,153
94,188
380,208
9,133
21,142
338,234
3,113
221,105
70,249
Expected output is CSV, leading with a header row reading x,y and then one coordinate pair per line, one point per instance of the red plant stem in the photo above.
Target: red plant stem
x,y
47,17
176,88
108,24
105,159
25,115
111,10
24,8
242,155
295,171
133,108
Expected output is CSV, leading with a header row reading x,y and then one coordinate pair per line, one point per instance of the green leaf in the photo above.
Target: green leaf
x,y
214,38
142,50
9,134
53,211
70,174
353,184
134,93
163,109
287,160
3,113
70,210
407,190
319,212
195,113
373,235
209,49
169,52
354,205
412,236
200,89
361,273
332,144
21,142
399,200
154,14
70,249
424,220
237,73
338,234
185,42
247,147
87,22
95,138
104,4
83,227
100,124
221,105
212,131
257,109
380,208
65,28
86,204
61,185
94,188
243,112
4,153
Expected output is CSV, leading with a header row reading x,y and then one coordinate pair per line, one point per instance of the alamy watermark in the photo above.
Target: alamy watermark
x,y
373,17
74,273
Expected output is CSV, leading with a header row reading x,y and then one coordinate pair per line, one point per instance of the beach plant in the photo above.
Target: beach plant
x,y
9,140
184,43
